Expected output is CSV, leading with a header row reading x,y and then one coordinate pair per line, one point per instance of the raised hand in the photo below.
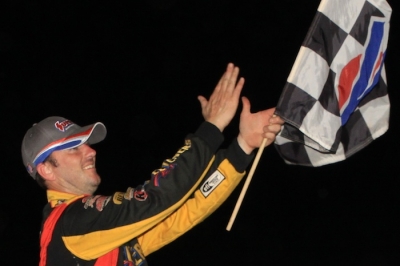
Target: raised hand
x,y
254,127
222,105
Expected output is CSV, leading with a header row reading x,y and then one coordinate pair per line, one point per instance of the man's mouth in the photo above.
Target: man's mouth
x,y
89,166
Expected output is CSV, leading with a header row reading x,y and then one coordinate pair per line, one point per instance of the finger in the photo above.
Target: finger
x,y
238,88
230,69
274,129
203,101
276,120
270,136
229,82
232,79
225,77
246,106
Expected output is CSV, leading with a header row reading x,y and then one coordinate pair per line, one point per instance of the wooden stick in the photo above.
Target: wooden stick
x,y
246,185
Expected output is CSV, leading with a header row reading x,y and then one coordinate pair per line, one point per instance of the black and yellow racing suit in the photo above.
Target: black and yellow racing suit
x,y
183,192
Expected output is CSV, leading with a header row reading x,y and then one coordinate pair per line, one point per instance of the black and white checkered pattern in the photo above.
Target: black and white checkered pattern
x,y
314,133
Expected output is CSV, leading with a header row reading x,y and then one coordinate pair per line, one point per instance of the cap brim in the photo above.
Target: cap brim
x,y
91,134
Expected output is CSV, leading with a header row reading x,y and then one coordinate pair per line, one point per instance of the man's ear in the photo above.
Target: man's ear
x,y
45,170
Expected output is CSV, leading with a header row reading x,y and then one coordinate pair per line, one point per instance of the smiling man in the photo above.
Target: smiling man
x,y
80,228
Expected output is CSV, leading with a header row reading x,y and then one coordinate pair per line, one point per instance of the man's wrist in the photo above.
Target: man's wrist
x,y
210,134
217,124
244,146
237,157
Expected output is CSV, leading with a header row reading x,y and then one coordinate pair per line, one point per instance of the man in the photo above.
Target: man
x,y
81,228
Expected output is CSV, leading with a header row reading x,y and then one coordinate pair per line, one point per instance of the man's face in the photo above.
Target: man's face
x,y
75,171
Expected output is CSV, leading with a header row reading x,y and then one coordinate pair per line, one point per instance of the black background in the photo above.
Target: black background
x,y
138,67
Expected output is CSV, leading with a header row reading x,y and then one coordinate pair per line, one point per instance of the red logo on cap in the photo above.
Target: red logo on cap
x,y
62,126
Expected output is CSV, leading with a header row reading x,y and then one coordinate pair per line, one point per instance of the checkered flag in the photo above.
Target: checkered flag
x,y
335,101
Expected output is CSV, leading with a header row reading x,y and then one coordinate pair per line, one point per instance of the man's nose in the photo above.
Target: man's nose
x,y
89,150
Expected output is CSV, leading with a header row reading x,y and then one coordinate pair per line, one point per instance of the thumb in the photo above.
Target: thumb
x,y
246,106
202,100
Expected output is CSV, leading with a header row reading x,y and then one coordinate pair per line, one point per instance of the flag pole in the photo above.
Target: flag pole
x,y
246,184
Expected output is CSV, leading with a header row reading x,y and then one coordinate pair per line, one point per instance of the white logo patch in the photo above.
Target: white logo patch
x,y
211,183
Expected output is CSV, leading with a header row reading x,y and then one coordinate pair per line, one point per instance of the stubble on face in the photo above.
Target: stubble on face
x,y
76,170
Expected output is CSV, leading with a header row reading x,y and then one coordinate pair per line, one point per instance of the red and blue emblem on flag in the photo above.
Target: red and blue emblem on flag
x,y
362,73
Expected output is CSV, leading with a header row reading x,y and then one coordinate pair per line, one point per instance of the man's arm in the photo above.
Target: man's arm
x,y
110,222
224,175
221,180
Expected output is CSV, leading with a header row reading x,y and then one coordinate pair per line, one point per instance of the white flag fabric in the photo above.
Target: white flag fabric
x,y
335,101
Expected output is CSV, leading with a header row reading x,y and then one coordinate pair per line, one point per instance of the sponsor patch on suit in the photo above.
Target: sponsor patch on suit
x,y
212,183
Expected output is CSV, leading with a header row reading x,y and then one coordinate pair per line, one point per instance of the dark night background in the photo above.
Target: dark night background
x,y
138,66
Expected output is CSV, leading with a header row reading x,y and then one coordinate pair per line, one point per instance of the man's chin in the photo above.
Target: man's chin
x,y
95,180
